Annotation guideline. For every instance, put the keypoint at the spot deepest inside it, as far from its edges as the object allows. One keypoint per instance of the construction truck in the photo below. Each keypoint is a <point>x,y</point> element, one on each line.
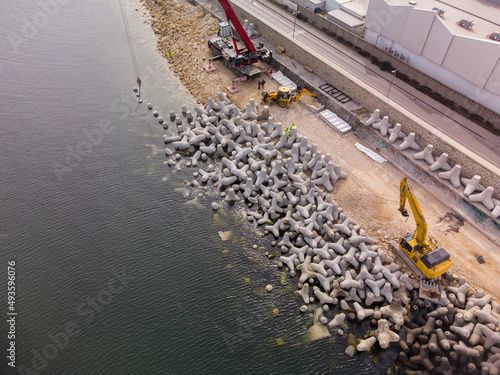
<point>237,56</point>
<point>284,96</point>
<point>421,252</point>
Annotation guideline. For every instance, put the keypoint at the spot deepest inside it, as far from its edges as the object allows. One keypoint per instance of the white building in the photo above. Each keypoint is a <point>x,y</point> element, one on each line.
<point>465,59</point>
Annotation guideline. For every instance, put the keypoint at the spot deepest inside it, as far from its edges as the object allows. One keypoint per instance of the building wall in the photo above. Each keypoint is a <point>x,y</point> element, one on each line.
<point>416,30</point>
<point>372,44</point>
<point>439,38</point>
<point>331,5</point>
<point>432,48</point>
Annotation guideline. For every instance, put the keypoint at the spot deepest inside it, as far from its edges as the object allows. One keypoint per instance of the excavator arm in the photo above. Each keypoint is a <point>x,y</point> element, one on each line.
<point>302,92</point>
<point>406,193</point>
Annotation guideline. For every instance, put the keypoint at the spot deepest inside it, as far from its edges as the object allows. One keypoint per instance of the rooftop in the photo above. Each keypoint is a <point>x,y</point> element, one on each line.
<point>484,13</point>
<point>357,7</point>
<point>345,17</point>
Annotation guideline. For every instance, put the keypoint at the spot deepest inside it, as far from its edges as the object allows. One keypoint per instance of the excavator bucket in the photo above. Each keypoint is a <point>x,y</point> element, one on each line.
<point>429,290</point>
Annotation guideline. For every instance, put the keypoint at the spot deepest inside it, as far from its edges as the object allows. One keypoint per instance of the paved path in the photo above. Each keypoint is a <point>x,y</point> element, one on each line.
<point>470,138</point>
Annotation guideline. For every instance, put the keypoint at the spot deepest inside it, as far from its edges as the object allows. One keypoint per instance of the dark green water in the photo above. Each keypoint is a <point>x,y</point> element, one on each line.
<point>115,274</point>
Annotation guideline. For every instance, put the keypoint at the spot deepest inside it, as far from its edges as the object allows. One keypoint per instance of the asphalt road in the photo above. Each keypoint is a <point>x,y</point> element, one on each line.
<point>472,137</point>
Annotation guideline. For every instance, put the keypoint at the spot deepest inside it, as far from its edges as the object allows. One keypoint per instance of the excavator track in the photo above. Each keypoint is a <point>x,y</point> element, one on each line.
<point>428,288</point>
<point>402,255</point>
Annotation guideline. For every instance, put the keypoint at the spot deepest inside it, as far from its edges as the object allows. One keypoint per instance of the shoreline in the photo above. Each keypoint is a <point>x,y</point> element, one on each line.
<point>368,206</point>
<point>345,192</point>
<point>344,275</point>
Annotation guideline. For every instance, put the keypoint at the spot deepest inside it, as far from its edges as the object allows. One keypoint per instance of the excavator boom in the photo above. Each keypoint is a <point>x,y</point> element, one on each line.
<point>406,193</point>
<point>302,92</point>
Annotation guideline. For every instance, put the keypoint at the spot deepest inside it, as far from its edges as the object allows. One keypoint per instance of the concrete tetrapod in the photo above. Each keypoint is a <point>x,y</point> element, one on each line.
<point>366,345</point>
<point>409,142</point>
<point>425,154</point>
<point>396,133</point>
<point>329,249</point>
<point>471,185</point>
<point>374,117</point>
<point>440,163</point>
<point>395,311</point>
<point>485,197</point>
<point>381,123</point>
<point>453,175</point>
<point>384,335</point>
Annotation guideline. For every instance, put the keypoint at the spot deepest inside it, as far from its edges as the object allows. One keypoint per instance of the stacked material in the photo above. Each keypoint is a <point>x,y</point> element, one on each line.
<point>335,121</point>
<point>342,274</point>
<point>469,187</point>
<point>284,81</point>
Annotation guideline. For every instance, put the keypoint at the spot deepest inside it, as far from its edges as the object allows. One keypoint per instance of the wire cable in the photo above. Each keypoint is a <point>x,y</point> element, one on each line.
<point>129,40</point>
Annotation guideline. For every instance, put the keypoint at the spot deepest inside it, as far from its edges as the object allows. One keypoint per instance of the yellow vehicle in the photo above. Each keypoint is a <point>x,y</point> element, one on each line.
<point>284,96</point>
<point>430,259</point>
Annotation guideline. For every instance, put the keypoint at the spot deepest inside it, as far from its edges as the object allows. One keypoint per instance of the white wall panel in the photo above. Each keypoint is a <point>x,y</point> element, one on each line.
<point>396,20</point>
<point>472,59</point>
<point>385,19</point>
<point>438,41</point>
<point>416,29</point>
<point>493,83</point>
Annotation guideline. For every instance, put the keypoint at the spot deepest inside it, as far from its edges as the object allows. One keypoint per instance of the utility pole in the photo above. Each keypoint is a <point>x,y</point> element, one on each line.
<point>392,80</point>
<point>295,22</point>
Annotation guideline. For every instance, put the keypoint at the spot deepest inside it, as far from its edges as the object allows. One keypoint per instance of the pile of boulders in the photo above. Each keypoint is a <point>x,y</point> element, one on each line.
<point>342,274</point>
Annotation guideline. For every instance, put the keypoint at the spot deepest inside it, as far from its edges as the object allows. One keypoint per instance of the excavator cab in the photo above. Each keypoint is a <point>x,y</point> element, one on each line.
<point>436,258</point>
<point>284,93</point>
<point>283,96</point>
<point>409,244</point>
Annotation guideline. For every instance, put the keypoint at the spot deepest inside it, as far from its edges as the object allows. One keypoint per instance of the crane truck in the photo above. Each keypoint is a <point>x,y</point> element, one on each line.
<point>429,260</point>
<point>237,56</point>
<point>284,96</point>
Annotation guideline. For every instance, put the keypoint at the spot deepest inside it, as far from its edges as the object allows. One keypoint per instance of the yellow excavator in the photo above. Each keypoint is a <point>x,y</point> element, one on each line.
<point>428,258</point>
<point>284,96</point>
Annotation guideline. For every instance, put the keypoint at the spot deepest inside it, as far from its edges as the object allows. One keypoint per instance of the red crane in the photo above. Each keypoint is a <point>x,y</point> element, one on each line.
<point>239,59</point>
<point>231,16</point>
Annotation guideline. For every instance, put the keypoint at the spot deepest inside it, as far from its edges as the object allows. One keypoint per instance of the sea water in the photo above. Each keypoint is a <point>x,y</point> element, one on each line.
<point>118,268</point>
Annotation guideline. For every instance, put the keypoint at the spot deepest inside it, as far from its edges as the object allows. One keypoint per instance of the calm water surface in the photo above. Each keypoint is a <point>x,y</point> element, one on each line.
<point>115,273</point>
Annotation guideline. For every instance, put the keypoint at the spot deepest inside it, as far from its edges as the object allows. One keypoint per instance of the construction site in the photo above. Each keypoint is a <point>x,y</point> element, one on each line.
<point>387,169</point>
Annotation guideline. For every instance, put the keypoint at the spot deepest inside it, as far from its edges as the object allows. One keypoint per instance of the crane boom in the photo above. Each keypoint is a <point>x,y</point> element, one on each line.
<point>231,16</point>
<point>242,59</point>
<point>406,193</point>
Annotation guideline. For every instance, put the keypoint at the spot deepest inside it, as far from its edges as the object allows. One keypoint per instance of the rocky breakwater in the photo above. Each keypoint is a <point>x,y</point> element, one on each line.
<point>343,276</point>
